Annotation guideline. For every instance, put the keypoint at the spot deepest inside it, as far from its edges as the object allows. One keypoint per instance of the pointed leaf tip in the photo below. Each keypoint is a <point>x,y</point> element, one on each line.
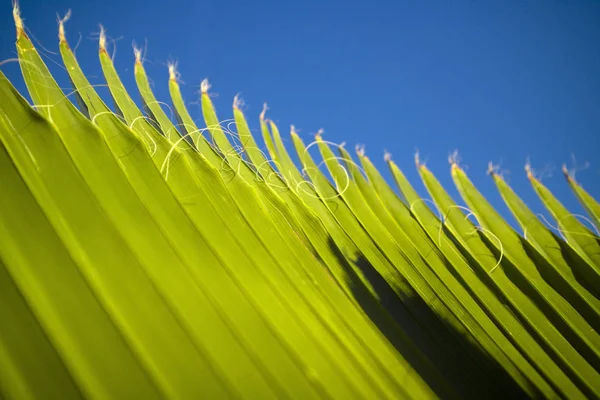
<point>387,156</point>
<point>172,72</point>
<point>263,113</point>
<point>237,102</point>
<point>204,86</point>
<point>567,173</point>
<point>292,129</point>
<point>137,52</point>
<point>102,40</point>
<point>529,171</point>
<point>454,158</point>
<point>18,20</point>
<point>454,168</point>
<point>360,150</point>
<point>61,26</point>
<point>494,170</point>
<point>420,165</point>
<point>417,159</point>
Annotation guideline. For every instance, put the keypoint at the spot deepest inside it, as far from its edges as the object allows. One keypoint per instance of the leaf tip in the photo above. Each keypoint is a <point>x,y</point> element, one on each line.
<point>263,113</point>
<point>204,86</point>
<point>173,74</point>
<point>495,172</point>
<point>529,171</point>
<point>454,158</point>
<point>387,156</point>
<point>16,11</point>
<point>137,52</point>
<point>418,159</point>
<point>319,134</point>
<point>102,40</point>
<point>491,169</point>
<point>238,102</point>
<point>565,172</point>
<point>569,174</point>
<point>454,169</point>
<point>360,150</point>
<point>61,26</point>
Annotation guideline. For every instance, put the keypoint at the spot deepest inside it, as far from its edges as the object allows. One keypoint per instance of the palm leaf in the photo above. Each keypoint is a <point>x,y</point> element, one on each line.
<point>142,257</point>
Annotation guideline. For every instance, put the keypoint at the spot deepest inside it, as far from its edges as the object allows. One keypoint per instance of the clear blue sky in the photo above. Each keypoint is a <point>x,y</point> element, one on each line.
<point>497,80</point>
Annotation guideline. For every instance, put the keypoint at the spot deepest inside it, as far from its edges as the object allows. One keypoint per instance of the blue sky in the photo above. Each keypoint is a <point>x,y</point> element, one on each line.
<point>497,80</point>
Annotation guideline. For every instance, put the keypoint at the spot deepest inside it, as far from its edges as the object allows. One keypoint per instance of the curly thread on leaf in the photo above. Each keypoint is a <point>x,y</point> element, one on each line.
<point>444,218</point>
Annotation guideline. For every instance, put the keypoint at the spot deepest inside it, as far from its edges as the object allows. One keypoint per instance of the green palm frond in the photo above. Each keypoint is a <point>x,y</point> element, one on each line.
<point>142,258</point>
